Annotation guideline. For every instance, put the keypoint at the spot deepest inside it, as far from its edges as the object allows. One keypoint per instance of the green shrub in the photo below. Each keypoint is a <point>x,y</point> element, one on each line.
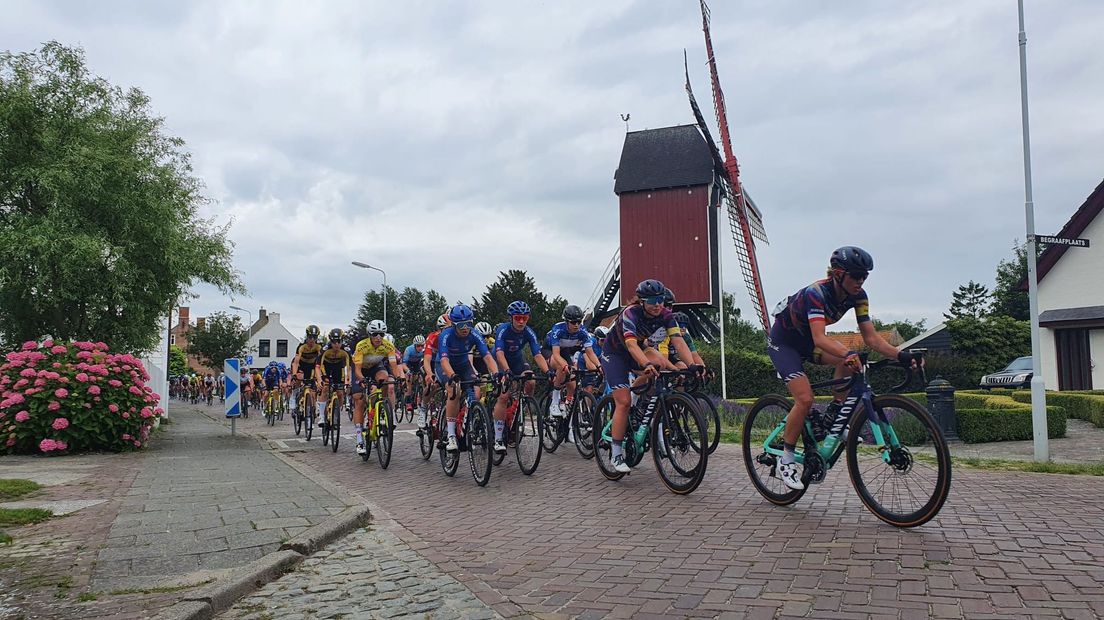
<point>984,425</point>
<point>1084,405</point>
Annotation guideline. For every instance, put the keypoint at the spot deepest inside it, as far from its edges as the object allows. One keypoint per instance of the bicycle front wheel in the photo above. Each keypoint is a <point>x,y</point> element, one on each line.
<point>385,435</point>
<point>307,412</point>
<point>680,447</point>
<point>297,422</point>
<point>528,427</point>
<point>899,461</point>
<point>334,426</point>
<point>600,438</point>
<point>449,460</point>
<point>761,459</point>
<point>712,419</point>
<point>479,436</point>
<point>582,419</point>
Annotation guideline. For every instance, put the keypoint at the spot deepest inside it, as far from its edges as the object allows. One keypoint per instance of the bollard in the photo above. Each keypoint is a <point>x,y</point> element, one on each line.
<point>941,404</point>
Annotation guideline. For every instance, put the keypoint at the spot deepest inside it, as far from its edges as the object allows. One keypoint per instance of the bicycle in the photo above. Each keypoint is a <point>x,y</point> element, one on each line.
<point>271,407</point>
<point>710,415</point>
<point>331,429</point>
<point>435,410</point>
<point>524,424</point>
<point>667,422</point>
<point>379,423</point>
<point>556,428</point>
<point>474,435</point>
<point>307,401</point>
<point>886,437</point>
<point>414,395</point>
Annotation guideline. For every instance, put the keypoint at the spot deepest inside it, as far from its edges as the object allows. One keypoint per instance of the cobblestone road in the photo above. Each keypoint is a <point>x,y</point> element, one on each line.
<point>566,542</point>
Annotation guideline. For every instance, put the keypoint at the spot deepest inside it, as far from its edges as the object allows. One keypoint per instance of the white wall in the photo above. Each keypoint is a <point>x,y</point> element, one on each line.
<point>272,331</point>
<point>1096,353</point>
<point>156,363</point>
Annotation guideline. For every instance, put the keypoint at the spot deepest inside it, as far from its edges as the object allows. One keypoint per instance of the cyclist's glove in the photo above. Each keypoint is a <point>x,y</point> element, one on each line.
<point>454,379</point>
<point>905,358</point>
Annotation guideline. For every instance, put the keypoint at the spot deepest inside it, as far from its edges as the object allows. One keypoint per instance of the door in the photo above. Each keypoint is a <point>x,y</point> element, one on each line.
<point>1074,364</point>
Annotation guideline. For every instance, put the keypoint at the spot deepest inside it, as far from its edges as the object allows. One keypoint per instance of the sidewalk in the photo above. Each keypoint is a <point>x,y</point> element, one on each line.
<point>197,503</point>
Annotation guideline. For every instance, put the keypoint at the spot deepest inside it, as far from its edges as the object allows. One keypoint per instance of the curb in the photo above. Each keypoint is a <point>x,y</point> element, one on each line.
<point>328,531</point>
<point>220,596</point>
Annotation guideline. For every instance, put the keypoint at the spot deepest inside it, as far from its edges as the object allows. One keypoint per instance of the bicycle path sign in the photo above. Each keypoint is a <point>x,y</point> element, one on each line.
<point>231,370</point>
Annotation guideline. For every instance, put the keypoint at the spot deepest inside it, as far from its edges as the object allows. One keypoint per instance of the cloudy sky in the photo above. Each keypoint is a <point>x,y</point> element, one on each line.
<point>448,141</point>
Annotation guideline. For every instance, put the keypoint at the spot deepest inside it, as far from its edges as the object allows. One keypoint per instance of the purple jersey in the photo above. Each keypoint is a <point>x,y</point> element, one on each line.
<point>634,323</point>
<point>817,302</point>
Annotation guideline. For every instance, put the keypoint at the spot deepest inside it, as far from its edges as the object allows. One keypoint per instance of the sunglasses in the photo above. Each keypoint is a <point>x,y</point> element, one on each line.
<point>858,276</point>
<point>375,334</point>
<point>464,325</point>
<point>520,318</point>
<point>575,322</point>
<point>654,301</point>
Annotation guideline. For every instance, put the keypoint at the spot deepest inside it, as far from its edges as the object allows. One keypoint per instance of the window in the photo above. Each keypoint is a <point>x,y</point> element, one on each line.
<point>172,339</point>
<point>264,348</point>
<point>281,348</point>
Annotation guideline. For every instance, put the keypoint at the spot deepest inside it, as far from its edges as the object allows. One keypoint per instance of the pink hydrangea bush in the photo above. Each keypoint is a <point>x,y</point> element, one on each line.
<point>76,397</point>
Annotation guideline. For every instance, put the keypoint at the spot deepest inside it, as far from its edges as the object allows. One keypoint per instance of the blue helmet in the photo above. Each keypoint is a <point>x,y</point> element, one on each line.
<point>460,313</point>
<point>281,365</point>
<point>518,307</point>
<point>272,364</point>
<point>650,288</point>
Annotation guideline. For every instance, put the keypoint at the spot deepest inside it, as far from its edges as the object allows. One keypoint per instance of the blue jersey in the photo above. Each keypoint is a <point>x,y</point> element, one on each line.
<point>511,342</point>
<point>458,348</point>
<point>412,356</point>
<point>284,373</point>
<point>580,357</point>
<point>271,376</point>
<point>569,343</point>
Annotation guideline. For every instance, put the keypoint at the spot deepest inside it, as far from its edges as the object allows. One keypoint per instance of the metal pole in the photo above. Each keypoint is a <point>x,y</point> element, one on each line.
<point>720,280</point>
<point>384,296</point>
<point>1038,387</point>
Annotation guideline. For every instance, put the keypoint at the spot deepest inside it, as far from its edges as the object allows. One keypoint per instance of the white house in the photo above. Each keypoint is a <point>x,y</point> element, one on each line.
<point>1071,302</point>
<point>269,340</point>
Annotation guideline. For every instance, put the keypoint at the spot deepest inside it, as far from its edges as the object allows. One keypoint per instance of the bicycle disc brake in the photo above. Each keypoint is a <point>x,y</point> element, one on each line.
<point>815,467</point>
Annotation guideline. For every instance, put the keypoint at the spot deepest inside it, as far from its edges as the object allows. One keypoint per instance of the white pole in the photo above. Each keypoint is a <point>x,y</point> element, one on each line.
<point>720,280</point>
<point>1038,388</point>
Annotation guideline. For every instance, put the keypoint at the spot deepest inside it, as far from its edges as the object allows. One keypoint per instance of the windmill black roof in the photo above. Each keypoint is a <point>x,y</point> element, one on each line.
<point>665,157</point>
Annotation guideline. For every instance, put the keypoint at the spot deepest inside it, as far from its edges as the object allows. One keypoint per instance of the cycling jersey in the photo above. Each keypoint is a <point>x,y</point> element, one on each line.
<point>308,354</point>
<point>817,302</point>
<point>431,346</point>
<point>580,356</point>
<point>366,356</point>
<point>412,357</point>
<point>489,341</point>
<point>634,323</point>
<point>457,348</point>
<point>271,377</point>
<point>670,352</point>
<point>511,342</point>
<point>569,343</point>
<point>334,357</point>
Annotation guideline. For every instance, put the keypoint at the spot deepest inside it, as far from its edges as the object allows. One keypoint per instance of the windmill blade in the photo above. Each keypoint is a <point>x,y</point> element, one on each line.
<point>718,160</point>
<point>755,217</point>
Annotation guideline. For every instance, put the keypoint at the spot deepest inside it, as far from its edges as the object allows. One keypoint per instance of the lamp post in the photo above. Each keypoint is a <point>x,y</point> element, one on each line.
<point>364,266</point>
<point>249,313</point>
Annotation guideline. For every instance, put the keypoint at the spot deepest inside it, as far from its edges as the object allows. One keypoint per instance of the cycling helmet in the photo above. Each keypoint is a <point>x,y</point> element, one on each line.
<point>313,331</point>
<point>850,258</point>
<point>518,307</point>
<point>336,334</point>
<point>460,313</point>
<point>443,321</point>
<point>281,365</point>
<point>419,340</point>
<point>681,318</point>
<point>271,364</point>
<point>601,332</point>
<point>573,313</point>
<point>389,338</point>
<point>377,327</point>
<point>668,296</point>
<point>484,328</point>
<point>649,288</point>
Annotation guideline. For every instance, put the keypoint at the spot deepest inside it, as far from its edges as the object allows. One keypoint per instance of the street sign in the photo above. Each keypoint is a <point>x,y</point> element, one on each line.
<point>1076,243</point>
<point>248,360</point>
<point>231,372</point>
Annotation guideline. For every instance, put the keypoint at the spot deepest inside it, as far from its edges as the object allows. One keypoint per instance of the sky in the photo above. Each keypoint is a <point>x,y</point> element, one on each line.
<point>446,142</point>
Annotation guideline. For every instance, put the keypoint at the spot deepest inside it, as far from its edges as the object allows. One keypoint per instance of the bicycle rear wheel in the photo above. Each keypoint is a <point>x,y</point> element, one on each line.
<point>527,435</point>
<point>449,460</point>
<point>603,445</point>
<point>765,416</point>
<point>680,447</point>
<point>334,425</point>
<point>905,481</point>
<point>270,411</point>
<point>712,419</point>
<point>297,422</point>
<point>386,434</point>
<point>582,419</point>
<point>307,412</point>
<point>479,436</point>
<point>551,434</point>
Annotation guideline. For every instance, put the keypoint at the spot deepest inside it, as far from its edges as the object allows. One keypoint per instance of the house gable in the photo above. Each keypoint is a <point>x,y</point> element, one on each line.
<point>1077,226</point>
<point>1075,280</point>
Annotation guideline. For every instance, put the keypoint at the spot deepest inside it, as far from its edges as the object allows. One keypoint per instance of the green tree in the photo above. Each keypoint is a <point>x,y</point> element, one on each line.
<point>987,345</point>
<point>513,285</point>
<point>223,337</point>
<point>970,300</point>
<point>98,208</point>
<point>1007,299</point>
<point>408,314</point>
<point>908,329</point>
<point>740,334</point>
<point>178,360</point>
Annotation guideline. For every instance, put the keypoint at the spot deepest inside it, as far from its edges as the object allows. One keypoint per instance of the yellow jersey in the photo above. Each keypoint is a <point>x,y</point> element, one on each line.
<point>308,354</point>
<point>367,356</point>
<point>336,357</point>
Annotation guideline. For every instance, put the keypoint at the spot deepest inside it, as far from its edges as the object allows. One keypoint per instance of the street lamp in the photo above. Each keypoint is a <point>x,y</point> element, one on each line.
<point>248,312</point>
<point>364,266</point>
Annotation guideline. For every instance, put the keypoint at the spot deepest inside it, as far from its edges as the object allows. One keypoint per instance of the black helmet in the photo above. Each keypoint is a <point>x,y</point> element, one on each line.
<point>313,331</point>
<point>572,313</point>
<point>649,288</point>
<point>668,296</point>
<point>681,318</point>
<point>850,258</point>
<point>336,334</point>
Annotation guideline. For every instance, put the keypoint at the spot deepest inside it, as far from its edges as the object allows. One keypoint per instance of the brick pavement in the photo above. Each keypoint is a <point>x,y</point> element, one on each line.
<point>568,542</point>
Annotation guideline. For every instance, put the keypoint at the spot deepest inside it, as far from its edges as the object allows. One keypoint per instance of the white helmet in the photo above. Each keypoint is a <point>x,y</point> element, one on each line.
<point>601,332</point>
<point>377,327</point>
<point>419,340</point>
<point>389,338</point>
<point>484,328</point>
<point>442,321</point>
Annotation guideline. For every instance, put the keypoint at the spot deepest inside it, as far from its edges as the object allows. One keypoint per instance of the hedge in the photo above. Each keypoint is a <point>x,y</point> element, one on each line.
<point>983,425</point>
<point>1087,405</point>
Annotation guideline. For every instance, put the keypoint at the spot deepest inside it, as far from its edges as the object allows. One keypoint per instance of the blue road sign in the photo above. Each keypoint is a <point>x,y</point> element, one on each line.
<point>248,360</point>
<point>232,372</point>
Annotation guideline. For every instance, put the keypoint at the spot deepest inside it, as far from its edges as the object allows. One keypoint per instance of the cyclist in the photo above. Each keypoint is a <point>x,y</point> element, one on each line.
<point>374,359</point>
<point>562,342</point>
<point>302,365</point>
<point>246,388</point>
<point>412,365</point>
<point>456,343</point>
<point>336,362</point>
<point>625,351</point>
<point>271,378</point>
<point>510,340</point>
<point>597,341</point>
<point>429,363</point>
<point>798,334</point>
<point>484,330</point>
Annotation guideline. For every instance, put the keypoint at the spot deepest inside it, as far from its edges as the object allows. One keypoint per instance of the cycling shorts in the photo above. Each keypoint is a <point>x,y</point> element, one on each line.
<point>789,352</point>
<point>307,370</point>
<point>617,365</point>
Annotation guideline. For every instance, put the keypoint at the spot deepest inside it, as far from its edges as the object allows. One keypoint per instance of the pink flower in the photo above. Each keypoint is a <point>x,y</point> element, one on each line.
<point>94,390</point>
<point>19,384</point>
<point>127,437</point>
<point>40,382</point>
<point>54,405</point>
<point>56,365</point>
<point>61,392</point>
<point>47,343</point>
<point>64,379</point>
<point>46,445</point>
<point>126,414</point>
<point>82,377</point>
<point>61,445</point>
<point>16,398</point>
<point>87,405</point>
<point>115,383</point>
<point>134,390</point>
<point>146,412</point>
<point>11,441</point>
<point>113,408</point>
<point>60,424</point>
<point>22,416</point>
<point>100,345</point>
<point>27,372</point>
<point>30,344</point>
<point>84,355</point>
<point>58,349</point>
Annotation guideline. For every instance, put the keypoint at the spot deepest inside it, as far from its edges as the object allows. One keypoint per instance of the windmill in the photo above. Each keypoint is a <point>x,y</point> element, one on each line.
<point>744,218</point>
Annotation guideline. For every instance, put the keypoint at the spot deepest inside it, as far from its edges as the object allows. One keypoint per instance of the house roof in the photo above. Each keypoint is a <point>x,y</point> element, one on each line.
<point>1071,315</point>
<point>1076,225</point>
<point>854,341</point>
<point>924,336</point>
<point>661,158</point>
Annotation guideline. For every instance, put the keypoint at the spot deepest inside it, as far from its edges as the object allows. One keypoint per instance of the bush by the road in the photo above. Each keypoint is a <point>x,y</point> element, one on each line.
<point>984,425</point>
<point>74,397</point>
<point>1088,406</point>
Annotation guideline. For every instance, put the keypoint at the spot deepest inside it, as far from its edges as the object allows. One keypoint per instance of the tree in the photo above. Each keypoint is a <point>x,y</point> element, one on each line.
<point>970,300</point>
<point>223,337</point>
<point>408,314</point>
<point>1007,299</point>
<point>178,360</point>
<point>740,334</point>
<point>512,285</point>
<point>906,328</point>
<point>988,344</point>
<point>98,208</point>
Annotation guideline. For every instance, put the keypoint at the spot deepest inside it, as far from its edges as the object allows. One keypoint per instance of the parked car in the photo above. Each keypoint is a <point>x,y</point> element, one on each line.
<point>1015,375</point>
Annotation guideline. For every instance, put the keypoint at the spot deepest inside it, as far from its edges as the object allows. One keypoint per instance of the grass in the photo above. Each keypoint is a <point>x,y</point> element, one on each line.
<point>86,596</point>
<point>1078,469</point>
<point>23,516</point>
<point>5,538</point>
<point>160,590</point>
<point>11,489</point>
